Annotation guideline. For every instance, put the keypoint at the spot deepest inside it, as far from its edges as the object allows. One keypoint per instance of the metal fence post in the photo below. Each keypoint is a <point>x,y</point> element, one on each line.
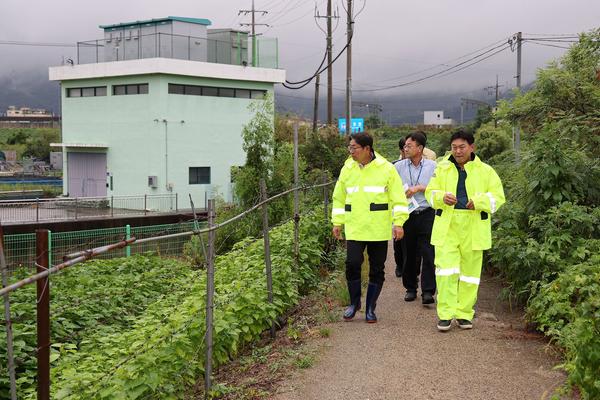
<point>7,320</point>
<point>176,202</point>
<point>37,210</point>
<point>210,289</point>
<point>112,206</point>
<point>145,203</point>
<point>76,208</point>
<point>296,201</point>
<point>43,316</point>
<point>267,245</point>
<point>127,237</point>
<point>325,197</point>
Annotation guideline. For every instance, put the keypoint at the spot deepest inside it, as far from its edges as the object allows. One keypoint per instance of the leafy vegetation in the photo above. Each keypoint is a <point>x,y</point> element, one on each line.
<point>29,142</point>
<point>134,328</point>
<point>547,238</point>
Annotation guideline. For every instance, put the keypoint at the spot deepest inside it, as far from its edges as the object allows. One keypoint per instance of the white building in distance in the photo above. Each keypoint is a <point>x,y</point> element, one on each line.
<point>436,118</point>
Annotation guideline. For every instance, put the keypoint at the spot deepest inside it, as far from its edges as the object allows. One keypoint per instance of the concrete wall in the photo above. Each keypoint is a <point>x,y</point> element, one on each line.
<point>132,128</point>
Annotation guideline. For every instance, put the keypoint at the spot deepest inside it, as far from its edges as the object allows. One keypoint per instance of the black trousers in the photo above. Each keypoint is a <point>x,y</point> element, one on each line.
<point>399,254</point>
<point>419,252</point>
<point>377,252</point>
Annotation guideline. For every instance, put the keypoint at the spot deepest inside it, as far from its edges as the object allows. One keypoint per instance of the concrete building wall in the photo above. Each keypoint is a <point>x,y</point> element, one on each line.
<point>435,118</point>
<point>200,131</point>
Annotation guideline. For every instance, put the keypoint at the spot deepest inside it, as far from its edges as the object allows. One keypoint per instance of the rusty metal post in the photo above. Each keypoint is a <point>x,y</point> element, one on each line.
<point>267,245</point>
<point>325,197</point>
<point>7,318</point>
<point>43,316</point>
<point>296,202</point>
<point>210,291</point>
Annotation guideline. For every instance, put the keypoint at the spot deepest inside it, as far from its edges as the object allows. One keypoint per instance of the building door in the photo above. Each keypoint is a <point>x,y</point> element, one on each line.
<point>87,174</point>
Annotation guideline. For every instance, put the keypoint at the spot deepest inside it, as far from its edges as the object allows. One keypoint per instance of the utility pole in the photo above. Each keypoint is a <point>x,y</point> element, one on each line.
<point>253,26</point>
<point>330,67</point>
<point>316,109</point>
<point>349,70</point>
<point>329,35</point>
<point>490,88</point>
<point>517,128</point>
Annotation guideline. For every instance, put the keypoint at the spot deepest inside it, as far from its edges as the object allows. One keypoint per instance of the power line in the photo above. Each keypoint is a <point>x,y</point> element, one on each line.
<point>549,45</point>
<point>446,71</point>
<point>444,64</point>
<point>36,44</point>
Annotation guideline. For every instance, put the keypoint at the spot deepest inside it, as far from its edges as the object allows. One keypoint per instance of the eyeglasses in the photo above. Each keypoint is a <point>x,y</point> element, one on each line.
<point>352,149</point>
<point>410,146</point>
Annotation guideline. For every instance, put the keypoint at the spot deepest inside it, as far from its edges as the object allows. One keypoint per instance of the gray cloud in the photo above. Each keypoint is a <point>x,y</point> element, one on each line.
<point>392,39</point>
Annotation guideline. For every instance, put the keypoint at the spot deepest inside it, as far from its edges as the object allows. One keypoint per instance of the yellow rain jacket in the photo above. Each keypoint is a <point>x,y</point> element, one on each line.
<point>483,187</point>
<point>366,200</point>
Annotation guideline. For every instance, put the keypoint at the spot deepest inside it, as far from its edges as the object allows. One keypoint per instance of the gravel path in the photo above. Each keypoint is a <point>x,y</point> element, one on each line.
<point>403,356</point>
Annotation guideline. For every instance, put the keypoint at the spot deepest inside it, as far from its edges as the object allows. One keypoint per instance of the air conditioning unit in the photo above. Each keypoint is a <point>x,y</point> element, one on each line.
<point>153,181</point>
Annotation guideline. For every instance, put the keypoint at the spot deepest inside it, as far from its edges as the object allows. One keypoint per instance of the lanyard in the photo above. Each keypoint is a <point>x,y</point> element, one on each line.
<point>410,173</point>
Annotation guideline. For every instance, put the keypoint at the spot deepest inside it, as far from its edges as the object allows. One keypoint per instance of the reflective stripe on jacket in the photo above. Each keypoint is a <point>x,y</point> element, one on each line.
<point>484,188</point>
<point>366,200</point>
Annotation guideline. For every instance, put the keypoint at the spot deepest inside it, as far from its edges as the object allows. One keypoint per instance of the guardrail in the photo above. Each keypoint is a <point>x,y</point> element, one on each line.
<point>71,209</point>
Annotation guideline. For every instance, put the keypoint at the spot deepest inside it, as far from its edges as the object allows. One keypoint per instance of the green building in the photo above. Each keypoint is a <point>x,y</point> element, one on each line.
<point>157,123</point>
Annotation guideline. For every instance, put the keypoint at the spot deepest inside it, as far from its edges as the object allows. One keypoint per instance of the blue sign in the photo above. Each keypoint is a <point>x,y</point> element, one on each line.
<point>358,125</point>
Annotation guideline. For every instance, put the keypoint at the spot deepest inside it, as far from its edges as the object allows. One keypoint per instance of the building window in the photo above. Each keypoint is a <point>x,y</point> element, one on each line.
<point>194,90</point>
<point>199,175</point>
<point>86,91</point>
<point>258,94</point>
<point>242,93</point>
<point>136,88</point>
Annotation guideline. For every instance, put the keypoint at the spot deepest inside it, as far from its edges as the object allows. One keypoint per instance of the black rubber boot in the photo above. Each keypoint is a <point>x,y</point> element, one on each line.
<point>372,295</point>
<point>354,290</point>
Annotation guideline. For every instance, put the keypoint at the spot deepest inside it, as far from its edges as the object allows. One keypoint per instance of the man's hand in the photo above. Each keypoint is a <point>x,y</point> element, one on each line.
<point>337,232</point>
<point>470,205</point>
<point>411,191</point>
<point>397,232</point>
<point>449,199</point>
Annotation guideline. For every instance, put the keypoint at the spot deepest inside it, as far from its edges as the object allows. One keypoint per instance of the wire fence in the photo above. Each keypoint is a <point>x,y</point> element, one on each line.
<point>123,241</point>
<point>71,209</point>
<point>223,48</point>
<point>20,250</point>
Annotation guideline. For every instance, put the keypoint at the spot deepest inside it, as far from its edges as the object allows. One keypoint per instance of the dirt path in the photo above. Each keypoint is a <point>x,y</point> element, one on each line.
<point>403,356</point>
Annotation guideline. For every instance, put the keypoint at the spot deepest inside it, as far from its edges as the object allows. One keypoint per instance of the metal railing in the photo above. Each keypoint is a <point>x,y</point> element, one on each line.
<point>45,269</point>
<point>166,45</point>
<point>71,209</point>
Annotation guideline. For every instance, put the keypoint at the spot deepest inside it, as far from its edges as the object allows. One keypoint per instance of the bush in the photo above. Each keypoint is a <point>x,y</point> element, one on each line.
<point>492,141</point>
<point>568,310</point>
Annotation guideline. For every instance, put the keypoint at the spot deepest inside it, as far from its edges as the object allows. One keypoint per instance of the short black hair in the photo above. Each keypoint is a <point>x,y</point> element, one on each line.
<point>418,136</point>
<point>463,134</point>
<point>401,143</point>
<point>363,139</point>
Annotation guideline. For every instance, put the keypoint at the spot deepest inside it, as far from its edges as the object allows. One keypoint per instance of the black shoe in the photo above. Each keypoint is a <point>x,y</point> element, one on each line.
<point>410,296</point>
<point>444,324</point>
<point>427,298</point>
<point>398,272</point>
<point>373,291</point>
<point>354,290</point>
<point>464,324</point>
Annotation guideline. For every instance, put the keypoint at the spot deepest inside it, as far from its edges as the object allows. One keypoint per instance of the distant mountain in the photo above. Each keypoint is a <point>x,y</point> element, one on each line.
<point>29,89</point>
<point>397,110</point>
<point>33,89</point>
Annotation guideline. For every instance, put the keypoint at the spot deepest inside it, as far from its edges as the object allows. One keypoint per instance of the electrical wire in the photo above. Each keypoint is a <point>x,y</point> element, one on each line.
<point>446,71</point>
<point>37,44</point>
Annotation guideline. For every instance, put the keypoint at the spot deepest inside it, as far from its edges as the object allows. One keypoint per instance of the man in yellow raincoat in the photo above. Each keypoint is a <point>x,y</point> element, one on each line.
<point>368,197</point>
<point>464,192</point>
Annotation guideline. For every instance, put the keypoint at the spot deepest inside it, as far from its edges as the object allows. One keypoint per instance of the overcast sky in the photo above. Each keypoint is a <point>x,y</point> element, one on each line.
<point>393,38</point>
